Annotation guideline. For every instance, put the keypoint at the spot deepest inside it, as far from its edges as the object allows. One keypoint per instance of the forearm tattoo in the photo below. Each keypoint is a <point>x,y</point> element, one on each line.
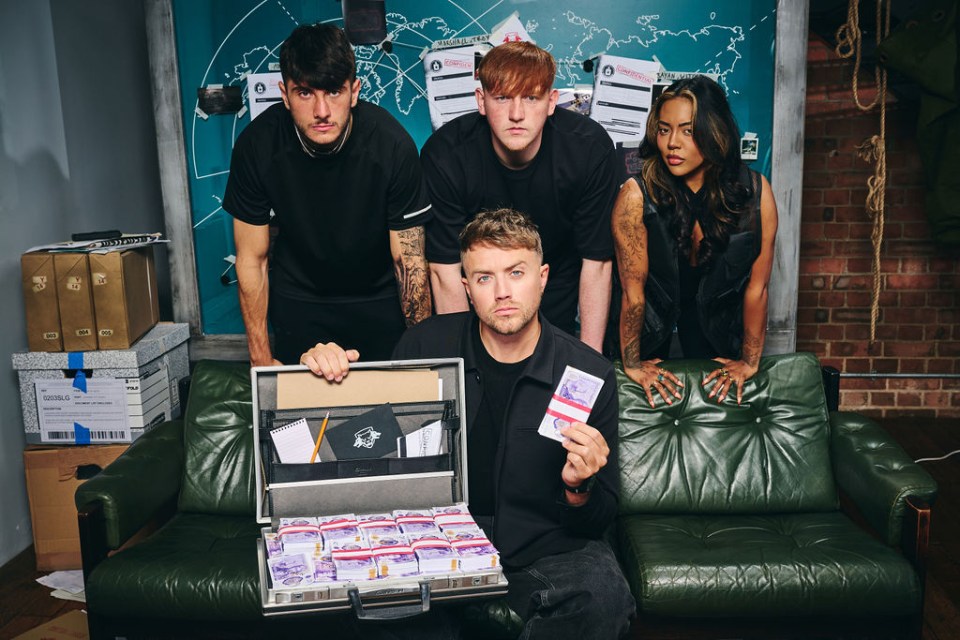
<point>631,244</point>
<point>413,276</point>
<point>633,319</point>
<point>752,348</point>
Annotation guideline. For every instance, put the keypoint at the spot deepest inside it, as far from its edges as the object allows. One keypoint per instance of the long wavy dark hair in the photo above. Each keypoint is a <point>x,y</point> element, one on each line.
<point>729,190</point>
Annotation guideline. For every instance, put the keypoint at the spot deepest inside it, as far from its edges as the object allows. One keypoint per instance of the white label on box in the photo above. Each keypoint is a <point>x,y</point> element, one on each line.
<point>69,415</point>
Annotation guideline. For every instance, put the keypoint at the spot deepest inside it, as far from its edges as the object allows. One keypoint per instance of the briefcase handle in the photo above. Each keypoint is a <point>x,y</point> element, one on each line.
<point>391,613</point>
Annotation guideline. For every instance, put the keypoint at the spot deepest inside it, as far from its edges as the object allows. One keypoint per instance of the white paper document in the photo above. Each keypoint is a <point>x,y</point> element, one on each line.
<point>425,441</point>
<point>622,92</point>
<point>293,442</point>
<point>572,401</point>
<point>451,82</point>
<point>82,413</point>
<point>263,91</point>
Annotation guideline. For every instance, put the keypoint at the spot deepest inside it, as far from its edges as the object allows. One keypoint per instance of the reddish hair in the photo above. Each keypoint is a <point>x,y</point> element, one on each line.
<point>517,68</point>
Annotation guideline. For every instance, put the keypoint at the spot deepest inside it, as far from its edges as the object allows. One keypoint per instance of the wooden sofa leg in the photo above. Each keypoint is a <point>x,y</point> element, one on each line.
<point>93,549</point>
<point>915,545</point>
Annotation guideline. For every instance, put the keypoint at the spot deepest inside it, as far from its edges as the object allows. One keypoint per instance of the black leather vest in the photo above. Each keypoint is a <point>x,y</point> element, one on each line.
<point>720,294</point>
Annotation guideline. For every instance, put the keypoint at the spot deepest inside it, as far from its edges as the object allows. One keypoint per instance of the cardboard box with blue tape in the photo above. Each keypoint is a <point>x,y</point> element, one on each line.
<point>95,397</point>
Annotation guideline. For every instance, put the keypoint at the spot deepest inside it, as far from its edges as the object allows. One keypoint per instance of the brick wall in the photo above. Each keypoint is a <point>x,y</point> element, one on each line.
<point>918,328</point>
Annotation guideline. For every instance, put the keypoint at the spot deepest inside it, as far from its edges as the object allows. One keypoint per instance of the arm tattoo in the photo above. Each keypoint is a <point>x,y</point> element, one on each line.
<point>752,349</point>
<point>631,242</point>
<point>413,279</point>
<point>633,320</point>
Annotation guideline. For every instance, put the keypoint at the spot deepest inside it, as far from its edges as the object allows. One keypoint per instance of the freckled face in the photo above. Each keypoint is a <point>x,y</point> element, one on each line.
<point>516,123</point>
<point>505,286</point>
<point>320,116</point>
<point>675,141</point>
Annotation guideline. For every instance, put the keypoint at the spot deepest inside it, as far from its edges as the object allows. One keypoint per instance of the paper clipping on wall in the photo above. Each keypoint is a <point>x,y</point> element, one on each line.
<point>263,91</point>
<point>452,82</point>
<point>622,93</point>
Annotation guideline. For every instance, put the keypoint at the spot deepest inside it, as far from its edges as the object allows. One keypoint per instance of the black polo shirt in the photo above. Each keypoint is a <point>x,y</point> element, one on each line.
<point>568,191</point>
<point>335,212</point>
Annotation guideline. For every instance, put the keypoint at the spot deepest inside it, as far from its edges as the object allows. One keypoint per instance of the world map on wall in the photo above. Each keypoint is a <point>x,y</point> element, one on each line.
<point>220,42</point>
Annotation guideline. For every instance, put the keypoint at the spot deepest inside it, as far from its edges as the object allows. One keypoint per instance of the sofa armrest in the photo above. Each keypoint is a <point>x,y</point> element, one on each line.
<point>134,487</point>
<point>877,474</point>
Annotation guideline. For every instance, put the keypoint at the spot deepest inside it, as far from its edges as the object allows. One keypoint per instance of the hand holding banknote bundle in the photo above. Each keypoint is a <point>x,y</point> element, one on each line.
<point>566,422</point>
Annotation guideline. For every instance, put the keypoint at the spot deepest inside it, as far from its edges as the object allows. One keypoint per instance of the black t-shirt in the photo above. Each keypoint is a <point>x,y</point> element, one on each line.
<point>483,439</point>
<point>334,212</point>
<point>568,191</point>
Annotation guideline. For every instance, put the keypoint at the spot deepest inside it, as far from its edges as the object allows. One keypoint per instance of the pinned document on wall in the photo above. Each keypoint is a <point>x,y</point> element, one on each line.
<point>451,78</point>
<point>622,95</point>
<point>263,91</point>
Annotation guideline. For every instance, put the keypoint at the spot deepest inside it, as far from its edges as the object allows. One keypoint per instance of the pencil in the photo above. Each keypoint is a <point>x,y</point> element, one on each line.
<point>316,449</point>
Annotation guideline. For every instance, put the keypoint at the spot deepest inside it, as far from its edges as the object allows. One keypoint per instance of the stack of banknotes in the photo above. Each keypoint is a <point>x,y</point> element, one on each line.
<point>353,560</point>
<point>394,555</point>
<point>349,548</point>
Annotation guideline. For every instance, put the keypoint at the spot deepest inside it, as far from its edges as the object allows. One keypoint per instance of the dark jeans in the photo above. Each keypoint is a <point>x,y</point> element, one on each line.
<point>372,327</point>
<point>579,594</point>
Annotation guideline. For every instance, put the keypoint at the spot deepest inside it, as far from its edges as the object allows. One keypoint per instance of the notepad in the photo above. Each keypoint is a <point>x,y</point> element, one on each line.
<point>293,442</point>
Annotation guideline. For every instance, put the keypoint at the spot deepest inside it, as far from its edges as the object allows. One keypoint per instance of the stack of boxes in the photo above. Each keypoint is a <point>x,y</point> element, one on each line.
<point>88,301</point>
<point>100,372</point>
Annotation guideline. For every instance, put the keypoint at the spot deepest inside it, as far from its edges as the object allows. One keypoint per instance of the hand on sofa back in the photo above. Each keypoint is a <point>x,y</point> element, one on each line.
<point>218,475</point>
<point>771,454</point>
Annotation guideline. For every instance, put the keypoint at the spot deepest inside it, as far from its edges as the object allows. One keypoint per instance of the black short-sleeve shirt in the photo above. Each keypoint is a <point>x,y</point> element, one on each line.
<point>335,212</point>
<point>568,191</point>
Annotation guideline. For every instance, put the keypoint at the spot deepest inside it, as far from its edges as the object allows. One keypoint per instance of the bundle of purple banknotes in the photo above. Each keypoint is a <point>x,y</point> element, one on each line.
<point>349,548</point>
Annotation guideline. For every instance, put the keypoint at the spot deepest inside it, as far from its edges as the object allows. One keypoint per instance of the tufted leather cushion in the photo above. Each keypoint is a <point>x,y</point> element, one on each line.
<point>767,565</point>
<point>771,454</point>
<point>199,567</point>
<point>218,475</point>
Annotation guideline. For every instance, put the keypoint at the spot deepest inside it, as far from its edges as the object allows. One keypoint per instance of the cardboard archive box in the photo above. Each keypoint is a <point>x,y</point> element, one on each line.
<point>417,392</point>
<point>52,479</point>
<point>143,390</point>
<point>75,299</point>
<point>125,304</point>
<point>40,301</point>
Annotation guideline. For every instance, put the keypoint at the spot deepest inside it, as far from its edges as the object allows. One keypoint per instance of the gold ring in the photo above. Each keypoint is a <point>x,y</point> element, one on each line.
<point>724,373</point>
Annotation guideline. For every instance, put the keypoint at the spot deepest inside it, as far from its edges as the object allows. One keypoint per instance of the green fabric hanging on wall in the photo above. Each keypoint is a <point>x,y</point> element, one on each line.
<point>924,49</point>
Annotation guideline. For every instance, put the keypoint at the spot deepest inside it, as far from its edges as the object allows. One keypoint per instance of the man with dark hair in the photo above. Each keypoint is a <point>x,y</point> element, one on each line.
<point>343,181</point>
<point>556,166</point>
<point>544,504</point>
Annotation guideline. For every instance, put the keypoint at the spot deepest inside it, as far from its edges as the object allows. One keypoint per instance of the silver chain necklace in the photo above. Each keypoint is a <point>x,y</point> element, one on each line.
<point>313,153</point>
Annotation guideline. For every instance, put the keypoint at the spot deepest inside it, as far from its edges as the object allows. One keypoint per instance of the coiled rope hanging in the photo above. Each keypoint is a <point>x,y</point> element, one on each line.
<point>849,41</point>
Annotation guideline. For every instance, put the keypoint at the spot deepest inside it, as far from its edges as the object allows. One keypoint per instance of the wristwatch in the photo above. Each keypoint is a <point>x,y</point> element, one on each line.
<point>584,487</point>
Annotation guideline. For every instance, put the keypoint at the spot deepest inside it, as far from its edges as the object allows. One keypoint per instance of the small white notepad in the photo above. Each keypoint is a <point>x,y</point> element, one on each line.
<point>293,442</point>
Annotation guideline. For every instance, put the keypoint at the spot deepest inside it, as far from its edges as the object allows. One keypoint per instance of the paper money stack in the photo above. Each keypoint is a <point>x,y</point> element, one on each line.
<point>381,524</point>
<point>349,548</point>
<point>416,521</point>
<point>294,570</point>
<point>475,551</point>
<point>572,401</point>
<point>299,535</point>
<point>434,553</point>
<point>353,560</point>
<point>393,555</point>
<point>324,569</point>
<point>453,516</point>
<point>339,528</point>
<point>273,545</point>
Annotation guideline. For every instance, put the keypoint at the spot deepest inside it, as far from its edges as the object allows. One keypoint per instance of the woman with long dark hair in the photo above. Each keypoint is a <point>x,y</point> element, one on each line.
<point>694,236</point>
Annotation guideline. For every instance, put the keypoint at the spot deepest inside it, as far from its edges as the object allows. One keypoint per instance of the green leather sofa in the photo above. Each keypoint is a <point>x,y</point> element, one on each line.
<point>725,511</point>
<point>731,511</point>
